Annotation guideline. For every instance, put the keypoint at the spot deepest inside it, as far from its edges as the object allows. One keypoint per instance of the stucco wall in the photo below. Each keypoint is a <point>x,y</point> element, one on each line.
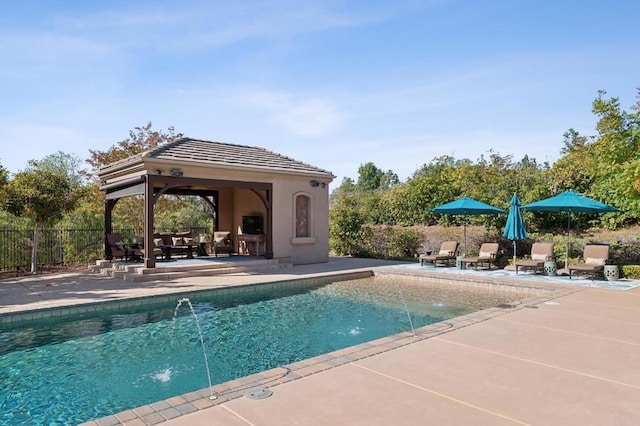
<point>314,249</point>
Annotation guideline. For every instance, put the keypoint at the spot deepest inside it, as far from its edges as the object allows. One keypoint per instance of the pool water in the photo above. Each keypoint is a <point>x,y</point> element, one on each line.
<point>71,371</point>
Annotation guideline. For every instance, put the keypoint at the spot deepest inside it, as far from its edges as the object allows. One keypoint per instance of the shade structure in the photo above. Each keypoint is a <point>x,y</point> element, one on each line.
<point>466,206</point>
<point>514,230</point>
<point>569,202</point>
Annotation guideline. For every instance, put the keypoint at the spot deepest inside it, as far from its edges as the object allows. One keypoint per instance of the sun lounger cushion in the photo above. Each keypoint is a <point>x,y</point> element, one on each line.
<point>486,254</point>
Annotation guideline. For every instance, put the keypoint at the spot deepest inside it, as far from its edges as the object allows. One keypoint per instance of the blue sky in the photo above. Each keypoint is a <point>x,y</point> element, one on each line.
<point>332,83</point>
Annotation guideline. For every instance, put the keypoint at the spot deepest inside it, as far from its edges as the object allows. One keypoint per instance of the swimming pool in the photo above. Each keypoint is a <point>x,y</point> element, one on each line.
<point>82,368</point>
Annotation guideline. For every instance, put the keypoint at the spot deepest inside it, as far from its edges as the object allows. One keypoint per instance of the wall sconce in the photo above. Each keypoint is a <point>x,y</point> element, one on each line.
<point>314,183</point>
<point>158,172</point>
<point>176,172</point>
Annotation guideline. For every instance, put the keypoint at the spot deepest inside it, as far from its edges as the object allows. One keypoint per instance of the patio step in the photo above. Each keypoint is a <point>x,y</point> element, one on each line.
<point>137,272</point>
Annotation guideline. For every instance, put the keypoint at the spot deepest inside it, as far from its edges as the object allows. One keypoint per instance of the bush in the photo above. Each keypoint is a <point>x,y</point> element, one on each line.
<point>385,242</point>
<point>630,271</point>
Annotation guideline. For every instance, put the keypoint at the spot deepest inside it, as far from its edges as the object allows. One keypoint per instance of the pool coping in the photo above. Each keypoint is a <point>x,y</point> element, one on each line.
<point>174,407</point>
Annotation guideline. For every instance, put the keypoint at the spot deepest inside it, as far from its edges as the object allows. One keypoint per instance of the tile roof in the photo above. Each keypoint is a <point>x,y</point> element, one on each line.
<point>226,154</point>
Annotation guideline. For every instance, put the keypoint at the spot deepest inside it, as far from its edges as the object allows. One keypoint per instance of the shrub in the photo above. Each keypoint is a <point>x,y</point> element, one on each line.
<point>630,271</point>
<point>387,242</point>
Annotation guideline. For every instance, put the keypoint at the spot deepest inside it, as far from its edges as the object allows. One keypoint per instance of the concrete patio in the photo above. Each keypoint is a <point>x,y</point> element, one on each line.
<point>569,358</point>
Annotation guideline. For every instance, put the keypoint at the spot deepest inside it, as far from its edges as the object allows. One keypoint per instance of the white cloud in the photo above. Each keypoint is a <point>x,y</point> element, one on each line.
<point>298,115</point>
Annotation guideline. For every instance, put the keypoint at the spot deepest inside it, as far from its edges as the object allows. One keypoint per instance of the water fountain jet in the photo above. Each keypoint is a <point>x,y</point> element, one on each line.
<point>204,352</point>
<point>406,308</point>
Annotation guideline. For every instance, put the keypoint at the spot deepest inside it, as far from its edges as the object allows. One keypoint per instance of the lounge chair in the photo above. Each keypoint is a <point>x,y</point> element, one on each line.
<point>116,244</point>
<point>222,243</point>
<point>447,253</point>
<point>595,257</point>
<point>487,254</point>
<point>540,253</point>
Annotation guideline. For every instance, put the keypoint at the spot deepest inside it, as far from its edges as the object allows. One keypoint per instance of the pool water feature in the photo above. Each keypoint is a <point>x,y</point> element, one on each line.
<point>200,337</point>
<point>77,370</point>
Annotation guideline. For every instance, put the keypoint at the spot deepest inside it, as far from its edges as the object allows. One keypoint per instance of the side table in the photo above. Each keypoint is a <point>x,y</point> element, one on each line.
<point>550,268</point>
<point>611,272</point>
<point>201,249</point>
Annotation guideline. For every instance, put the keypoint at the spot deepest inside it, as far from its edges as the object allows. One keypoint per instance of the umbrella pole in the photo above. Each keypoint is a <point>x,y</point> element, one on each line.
<point>566,258</point>
<point>514,251</point>
<point>465,235</point>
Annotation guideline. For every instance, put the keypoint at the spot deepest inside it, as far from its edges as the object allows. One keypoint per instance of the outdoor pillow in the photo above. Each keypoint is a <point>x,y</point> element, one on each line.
<point>158,242</point>
<point>188,241</point>
<point>445,252</point>
<point>486,254</point>
<point>177,241</point>
<point>538,256</point>
<point>120,245</point>
<point>595,261</point>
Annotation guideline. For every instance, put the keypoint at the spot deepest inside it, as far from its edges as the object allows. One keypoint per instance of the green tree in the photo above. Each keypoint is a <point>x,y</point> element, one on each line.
<point>616,151</point>
<point>575,170</point>
<point>371,178</point>
<point>63,164</point>
<point>346,226</point>
<point>41,195</point>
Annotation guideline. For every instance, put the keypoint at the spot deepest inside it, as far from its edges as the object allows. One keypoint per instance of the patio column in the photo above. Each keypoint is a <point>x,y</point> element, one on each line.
<point>149,199</point>
<point>108,226</point>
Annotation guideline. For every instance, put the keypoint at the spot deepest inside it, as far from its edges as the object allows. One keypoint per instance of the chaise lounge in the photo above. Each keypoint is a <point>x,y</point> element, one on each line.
<point>487,254</point>
<point>447,253</point>
<point>540,253</point>
<point>595,257</point>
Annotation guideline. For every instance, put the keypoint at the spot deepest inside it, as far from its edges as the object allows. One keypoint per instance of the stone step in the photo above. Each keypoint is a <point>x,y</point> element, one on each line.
<point>137,272</point>
<point>169,274</point>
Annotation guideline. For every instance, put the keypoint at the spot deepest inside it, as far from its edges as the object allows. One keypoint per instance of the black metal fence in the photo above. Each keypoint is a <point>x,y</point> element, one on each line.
<point>56,247</point>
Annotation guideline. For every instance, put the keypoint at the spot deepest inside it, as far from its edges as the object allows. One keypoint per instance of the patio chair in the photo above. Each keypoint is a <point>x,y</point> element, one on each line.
<point>595,256</point>
<point>447,253</point>
<point>222,243</point>
<point>540,253</point>
<point>118,247</point>
<point>487,254</point>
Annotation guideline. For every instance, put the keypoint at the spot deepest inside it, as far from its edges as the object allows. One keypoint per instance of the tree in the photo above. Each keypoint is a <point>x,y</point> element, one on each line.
<point>371,178</point>
<point>128,212</point>
<point>41,195</point>
<point>141,139</point>
<point>345,226</point>
<point>63,164</point>
<point>616,151</point>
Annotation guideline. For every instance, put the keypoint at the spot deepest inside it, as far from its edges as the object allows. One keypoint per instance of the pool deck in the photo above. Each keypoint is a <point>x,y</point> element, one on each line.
<point>572,358</point>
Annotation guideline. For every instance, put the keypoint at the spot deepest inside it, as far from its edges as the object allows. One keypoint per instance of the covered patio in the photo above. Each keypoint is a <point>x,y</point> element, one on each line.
<point>288,199</point>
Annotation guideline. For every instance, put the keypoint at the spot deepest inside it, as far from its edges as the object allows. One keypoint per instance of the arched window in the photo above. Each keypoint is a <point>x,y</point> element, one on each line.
<point>303,215</point>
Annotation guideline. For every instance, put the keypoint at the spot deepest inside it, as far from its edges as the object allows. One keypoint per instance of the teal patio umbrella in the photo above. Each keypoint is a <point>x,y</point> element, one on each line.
<point>514,230</point>
<point>569,202</point>
<point>466,206</point>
